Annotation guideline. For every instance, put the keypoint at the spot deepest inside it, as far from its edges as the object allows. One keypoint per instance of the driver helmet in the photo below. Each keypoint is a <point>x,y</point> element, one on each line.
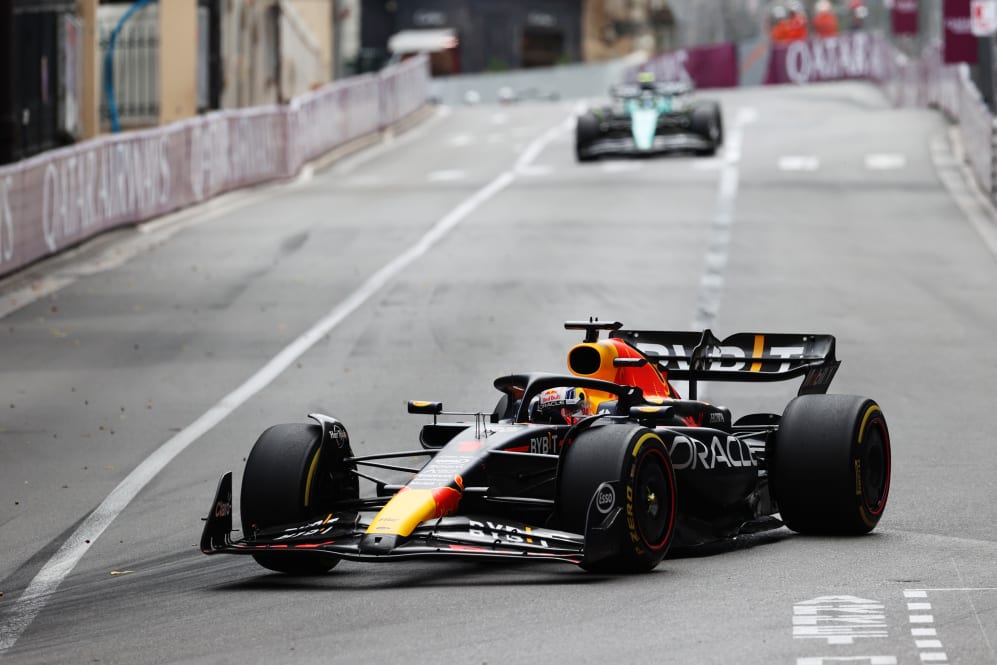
<point>646,80</point>
<point>560,406</point>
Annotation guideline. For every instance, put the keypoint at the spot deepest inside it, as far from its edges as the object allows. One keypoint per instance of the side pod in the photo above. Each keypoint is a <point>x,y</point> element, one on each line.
<point>218,525</point>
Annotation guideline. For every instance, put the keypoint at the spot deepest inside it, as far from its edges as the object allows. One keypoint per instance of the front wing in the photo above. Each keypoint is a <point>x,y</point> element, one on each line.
<point>341,534</point>
<point>663,143</point>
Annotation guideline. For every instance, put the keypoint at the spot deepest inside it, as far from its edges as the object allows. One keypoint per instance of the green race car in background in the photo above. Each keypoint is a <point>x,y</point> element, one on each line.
<point>649,118</point>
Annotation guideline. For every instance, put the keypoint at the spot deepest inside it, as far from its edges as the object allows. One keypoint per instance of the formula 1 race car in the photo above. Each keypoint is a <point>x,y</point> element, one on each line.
<point>649,119</point>
<point>605,468</point>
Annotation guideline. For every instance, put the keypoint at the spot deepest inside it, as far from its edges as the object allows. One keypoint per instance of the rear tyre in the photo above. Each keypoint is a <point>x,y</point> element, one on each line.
<point>286,481</point>
<point>831,464</point>
<point>637,458</point>
<point>586,132</point>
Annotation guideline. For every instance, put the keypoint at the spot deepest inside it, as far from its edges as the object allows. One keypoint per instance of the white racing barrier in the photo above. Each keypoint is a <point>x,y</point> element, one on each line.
<point>921,81</point>
<point>926,81</point>
<point>60,198</point>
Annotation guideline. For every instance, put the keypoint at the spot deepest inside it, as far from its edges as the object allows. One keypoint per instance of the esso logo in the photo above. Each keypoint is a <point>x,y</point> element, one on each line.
<point>605,498</point>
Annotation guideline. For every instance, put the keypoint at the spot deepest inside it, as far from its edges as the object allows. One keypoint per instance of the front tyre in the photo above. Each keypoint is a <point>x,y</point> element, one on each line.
<point>707,121</point>
<point>636,457</point>
<point>286,481</point>
<point>586,133</point>
<point>831,464</point>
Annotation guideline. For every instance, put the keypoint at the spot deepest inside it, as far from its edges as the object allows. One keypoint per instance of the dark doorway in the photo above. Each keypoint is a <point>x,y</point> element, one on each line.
<point>541,47</point>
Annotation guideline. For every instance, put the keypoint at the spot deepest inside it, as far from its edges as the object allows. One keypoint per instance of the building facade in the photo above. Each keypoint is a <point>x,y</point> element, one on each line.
<point>491,36</point>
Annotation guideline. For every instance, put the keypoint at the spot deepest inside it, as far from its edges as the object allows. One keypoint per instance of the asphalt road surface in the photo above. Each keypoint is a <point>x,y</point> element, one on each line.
<point>140,368</point>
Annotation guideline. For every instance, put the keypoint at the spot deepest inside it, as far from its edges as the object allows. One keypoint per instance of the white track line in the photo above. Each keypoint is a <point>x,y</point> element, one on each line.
<point>45,583</point>
<point>711,283</point>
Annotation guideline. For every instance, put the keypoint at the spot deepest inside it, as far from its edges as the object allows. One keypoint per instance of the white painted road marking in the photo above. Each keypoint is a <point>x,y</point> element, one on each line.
<point>711,283</point>
<point>929,651</point>
<point>839,619</point>
<point>798,163</point>
<point>885,161</point>
<point>24,610</point>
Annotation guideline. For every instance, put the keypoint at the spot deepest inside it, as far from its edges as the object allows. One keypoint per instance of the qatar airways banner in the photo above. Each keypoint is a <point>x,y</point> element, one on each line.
<point>852,55</point>
<point>712,66</point>
<point>960,44</point>
<point>904,15</point>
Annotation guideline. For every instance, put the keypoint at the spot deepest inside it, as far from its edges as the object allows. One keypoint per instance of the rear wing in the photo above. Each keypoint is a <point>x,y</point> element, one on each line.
<point>633,90</point>
<point>701,356</point>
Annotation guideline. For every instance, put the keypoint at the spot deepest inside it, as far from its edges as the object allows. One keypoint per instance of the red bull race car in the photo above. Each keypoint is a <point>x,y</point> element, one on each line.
<point>607,467</point>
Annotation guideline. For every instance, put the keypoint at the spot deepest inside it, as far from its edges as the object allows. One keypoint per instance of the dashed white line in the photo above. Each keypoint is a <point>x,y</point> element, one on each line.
<point>929,651</point>
<point>711,283</point>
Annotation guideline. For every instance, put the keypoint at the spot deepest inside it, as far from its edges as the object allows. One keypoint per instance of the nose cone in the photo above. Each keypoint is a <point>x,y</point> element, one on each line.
<point>644,125</point>
<point>375,543</point>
